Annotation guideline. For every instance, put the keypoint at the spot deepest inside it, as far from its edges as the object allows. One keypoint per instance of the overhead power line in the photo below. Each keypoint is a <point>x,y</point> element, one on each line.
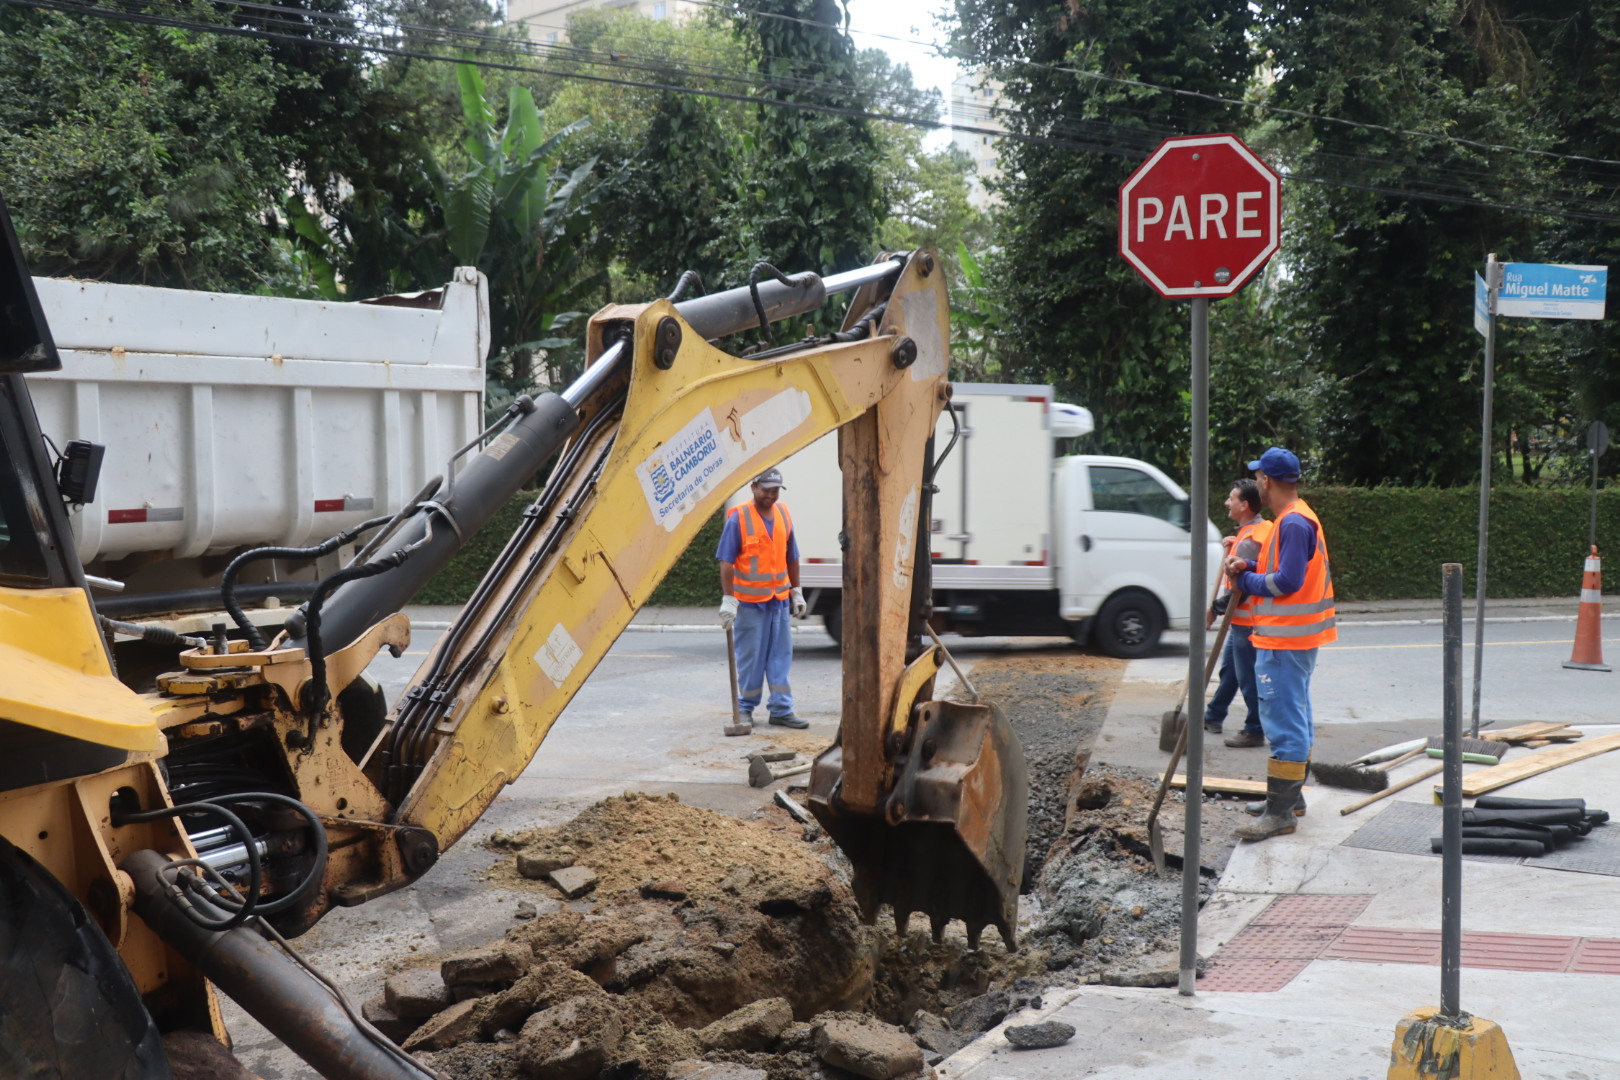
<point>1449,183</point>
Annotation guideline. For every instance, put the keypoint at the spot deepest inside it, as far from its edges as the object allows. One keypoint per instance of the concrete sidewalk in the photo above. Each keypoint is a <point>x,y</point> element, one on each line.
<point>1317,950</point>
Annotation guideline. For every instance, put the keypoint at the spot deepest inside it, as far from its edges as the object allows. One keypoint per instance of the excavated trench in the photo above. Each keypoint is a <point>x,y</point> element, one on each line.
<point>736,943</point>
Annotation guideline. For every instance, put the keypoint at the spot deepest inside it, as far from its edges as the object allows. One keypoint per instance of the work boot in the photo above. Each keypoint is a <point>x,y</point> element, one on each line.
<point>1246,738</point>
<point>788,720</point>
<point>1284,781</point>
<point>1258,807</point>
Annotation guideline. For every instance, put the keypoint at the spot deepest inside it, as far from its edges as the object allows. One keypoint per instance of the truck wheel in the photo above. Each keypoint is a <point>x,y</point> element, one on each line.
<point>68,1007</point>
<point>1129,625</point>
<point>833,620</point>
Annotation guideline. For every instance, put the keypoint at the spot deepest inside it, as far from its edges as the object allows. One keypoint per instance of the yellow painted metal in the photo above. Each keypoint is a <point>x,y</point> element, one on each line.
<point>620,546</point>
<point>54,672</point>
<point>917,677</point>
<point>1429,1048</point>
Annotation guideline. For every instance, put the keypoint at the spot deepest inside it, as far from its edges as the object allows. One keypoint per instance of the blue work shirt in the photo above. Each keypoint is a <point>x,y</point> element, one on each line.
<point>731,539</point>
<point>1296,544</point>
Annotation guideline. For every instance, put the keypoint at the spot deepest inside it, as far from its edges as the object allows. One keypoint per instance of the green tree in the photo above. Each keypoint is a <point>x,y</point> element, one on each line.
<point>140,153</point>
<point>525,221</point>
<point>1075,314</point>
<point>812,197</point>
<point>1379,282</point>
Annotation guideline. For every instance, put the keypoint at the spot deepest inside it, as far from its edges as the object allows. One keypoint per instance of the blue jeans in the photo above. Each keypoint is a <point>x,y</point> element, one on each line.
<point>764,654</point>
<point>1284,680</point>
<point>1237,673</point>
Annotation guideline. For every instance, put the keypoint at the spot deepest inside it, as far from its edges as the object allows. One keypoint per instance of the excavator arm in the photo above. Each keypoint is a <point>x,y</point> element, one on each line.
<point>665,435</point>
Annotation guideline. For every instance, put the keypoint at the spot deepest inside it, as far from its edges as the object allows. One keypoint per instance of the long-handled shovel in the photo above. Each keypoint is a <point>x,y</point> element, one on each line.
<point>1173,725</point>
<point>1155,834</point>
<point>738,725</point>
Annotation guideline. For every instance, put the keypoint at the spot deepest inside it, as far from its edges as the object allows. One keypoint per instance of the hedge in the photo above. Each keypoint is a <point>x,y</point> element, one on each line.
<point>1387,543</point>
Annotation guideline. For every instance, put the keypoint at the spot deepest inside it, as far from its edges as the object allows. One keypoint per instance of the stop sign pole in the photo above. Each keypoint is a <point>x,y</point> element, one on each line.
<point>1198,219</point>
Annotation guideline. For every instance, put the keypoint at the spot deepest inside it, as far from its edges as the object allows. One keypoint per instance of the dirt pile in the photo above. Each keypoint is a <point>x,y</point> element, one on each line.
<point>707,938</point>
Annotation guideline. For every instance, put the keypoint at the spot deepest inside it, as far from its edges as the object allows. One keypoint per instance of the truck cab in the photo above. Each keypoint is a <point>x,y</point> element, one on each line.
<point>1027,539</point>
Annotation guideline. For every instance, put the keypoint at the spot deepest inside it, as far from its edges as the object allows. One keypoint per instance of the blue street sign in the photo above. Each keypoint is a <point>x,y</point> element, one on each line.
<point>1482,307</point>
<point>1551,291</point>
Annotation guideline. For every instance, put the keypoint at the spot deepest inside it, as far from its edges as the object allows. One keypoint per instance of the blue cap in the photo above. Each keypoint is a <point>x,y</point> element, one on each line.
<point>1279,464</point>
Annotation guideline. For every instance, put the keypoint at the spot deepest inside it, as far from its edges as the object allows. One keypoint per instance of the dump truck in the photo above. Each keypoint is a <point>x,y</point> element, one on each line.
<point>167,825</point>
<point>245,421</point>
<point>1025,537</point>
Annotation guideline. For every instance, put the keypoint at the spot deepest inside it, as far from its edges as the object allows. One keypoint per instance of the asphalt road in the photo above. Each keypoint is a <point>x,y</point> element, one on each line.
<point>649,719</point>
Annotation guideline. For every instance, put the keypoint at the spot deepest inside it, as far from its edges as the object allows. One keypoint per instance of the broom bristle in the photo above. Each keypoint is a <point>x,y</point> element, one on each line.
<point>1354,777</point>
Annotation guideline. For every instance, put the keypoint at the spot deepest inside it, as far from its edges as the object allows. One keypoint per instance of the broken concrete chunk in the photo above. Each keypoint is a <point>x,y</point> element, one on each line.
<point>934,1033</point>
<point>739,878</point>
<point>385,1020</point>
<point>417,993</point>
<point>538,864</point>
<point>571,1041</point>
<point>574,881</point>
<point>502,962</point>
<point>713,1070</point>
<point>981,1013</point>
<point>1039,1036</point>
<point>451,1026</point>
<point>548,983</point>
<point>866,1047</point>
<point>752,1027</point>
<point>525,910</point>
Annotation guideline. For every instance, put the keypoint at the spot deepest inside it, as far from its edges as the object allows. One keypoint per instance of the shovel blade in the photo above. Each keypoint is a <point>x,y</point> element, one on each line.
<point>950,836</point>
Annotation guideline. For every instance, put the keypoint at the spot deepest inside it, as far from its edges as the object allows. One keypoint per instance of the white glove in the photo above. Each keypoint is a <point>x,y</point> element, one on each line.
<point>800,608</point>
<point>728,611</point>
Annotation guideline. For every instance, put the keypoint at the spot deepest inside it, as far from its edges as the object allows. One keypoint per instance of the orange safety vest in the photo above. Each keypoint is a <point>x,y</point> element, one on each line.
<point>1259,532</point>
<point>1302,619</point>
<point>761,570</point>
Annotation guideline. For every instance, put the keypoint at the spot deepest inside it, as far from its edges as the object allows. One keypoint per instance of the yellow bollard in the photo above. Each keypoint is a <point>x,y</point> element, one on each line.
<point>1430,1047</point>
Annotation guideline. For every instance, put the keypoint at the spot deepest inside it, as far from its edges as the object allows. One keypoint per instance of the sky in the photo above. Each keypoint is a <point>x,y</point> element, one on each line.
<point>912,20</point>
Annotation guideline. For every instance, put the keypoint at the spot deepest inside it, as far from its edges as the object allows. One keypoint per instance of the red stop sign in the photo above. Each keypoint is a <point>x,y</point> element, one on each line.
<point>1200,217</point>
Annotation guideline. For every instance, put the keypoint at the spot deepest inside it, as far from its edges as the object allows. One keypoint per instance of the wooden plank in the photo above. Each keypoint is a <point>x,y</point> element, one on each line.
<point>1219,786</point>
<point>1541,761</point>
<point>1537,730</point>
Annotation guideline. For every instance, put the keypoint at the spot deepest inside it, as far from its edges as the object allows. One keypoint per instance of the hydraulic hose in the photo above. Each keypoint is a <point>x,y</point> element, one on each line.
<point>485,485</point>
<point>227,581</point>
<point>288,1000</point>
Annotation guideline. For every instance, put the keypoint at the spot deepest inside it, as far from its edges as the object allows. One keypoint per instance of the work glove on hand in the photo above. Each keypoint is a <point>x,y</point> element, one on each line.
<point>728,611</point>
<point>800,608</point>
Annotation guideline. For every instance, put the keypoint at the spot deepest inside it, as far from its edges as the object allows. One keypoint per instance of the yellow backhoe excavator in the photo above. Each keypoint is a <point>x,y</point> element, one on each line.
<point>157,836</point>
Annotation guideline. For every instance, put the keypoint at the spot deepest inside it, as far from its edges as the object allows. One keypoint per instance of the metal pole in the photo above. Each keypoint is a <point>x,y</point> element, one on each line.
<point>1451,812</point>
<point>1493,282</point>
<point>1198,527</point>
<point>1591,528</point>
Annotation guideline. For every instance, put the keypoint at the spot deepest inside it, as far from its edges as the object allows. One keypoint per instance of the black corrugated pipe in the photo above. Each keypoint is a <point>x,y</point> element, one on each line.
<point>288,1000</point>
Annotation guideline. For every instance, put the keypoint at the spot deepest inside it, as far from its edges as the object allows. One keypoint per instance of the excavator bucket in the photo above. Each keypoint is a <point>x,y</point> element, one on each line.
<point>949,840</point>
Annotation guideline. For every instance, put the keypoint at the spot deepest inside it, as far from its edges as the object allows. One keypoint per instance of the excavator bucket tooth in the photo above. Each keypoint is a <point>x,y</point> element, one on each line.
<point>975,932</point>
<point>950,840</point>
<point>937,925</point>
<point>902,920</point>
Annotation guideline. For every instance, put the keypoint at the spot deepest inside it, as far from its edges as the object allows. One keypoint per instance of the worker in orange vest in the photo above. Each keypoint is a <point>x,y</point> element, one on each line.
<point>759,583</point>
<point>1292,582</point>
<point>1237,659</point>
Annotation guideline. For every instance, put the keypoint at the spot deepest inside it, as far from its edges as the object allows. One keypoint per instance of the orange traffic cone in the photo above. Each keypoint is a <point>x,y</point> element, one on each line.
<point>1588,652</point>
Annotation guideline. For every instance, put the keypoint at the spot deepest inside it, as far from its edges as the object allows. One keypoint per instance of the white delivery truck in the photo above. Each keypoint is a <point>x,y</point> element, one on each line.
<point>240,421</point>
<point>1027,539</point>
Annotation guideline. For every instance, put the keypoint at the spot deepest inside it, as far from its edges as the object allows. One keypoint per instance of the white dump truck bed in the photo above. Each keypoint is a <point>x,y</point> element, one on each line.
<point>232,420</point>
